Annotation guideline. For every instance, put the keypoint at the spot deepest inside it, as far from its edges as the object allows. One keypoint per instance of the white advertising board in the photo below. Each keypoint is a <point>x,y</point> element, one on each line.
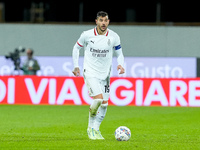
<point>139,67</point>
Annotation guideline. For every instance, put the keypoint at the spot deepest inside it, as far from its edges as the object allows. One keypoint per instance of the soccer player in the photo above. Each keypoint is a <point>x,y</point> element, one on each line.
<point>99,45</point>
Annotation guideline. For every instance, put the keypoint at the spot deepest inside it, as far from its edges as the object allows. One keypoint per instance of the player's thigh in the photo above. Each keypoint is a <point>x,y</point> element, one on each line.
<point>93,86</point>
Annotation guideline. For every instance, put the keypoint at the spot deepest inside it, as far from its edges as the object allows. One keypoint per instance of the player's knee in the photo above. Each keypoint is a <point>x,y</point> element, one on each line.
<point>93,112</point>
<point>104,104</point>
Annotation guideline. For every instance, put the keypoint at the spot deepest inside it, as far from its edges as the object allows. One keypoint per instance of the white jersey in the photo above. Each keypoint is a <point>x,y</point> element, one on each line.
<point>99,52</point>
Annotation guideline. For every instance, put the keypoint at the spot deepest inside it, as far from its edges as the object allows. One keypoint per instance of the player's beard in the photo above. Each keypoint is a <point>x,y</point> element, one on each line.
<point>101,28</point>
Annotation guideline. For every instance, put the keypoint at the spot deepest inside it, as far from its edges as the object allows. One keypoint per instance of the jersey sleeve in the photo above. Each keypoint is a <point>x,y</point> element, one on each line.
<point>81,40</point>
<point>117,44</point>
<point>118,51</point>
<point>75,53</point>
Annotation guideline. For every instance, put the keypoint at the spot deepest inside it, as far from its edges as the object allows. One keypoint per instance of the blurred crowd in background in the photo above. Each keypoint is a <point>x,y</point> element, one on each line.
<point>85,11</point>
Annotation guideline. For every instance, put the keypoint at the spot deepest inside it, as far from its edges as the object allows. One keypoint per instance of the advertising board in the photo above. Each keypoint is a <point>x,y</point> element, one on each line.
<point>142,67</point>
<point>34,90</point>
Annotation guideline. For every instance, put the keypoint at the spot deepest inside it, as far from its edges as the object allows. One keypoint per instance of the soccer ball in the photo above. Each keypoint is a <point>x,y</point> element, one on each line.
<point>122,133</point>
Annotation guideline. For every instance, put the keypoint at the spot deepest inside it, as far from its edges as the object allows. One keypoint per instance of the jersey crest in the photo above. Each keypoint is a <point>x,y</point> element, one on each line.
<point>108,42</point>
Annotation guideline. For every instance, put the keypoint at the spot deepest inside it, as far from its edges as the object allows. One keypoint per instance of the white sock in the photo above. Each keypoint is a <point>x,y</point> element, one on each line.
<point>91,121</point>
<point>100,115</point>
<point>93,111</point>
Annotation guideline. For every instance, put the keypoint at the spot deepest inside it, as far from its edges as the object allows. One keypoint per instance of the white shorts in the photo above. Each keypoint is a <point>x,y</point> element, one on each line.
<point>97,86</point>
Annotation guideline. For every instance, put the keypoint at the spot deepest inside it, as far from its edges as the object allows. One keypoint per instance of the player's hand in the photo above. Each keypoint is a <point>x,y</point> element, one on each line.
<point>76,72</point>
<point>122,70</point>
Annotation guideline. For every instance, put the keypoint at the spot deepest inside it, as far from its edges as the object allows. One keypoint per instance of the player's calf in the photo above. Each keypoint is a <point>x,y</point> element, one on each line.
<point>94,106</point>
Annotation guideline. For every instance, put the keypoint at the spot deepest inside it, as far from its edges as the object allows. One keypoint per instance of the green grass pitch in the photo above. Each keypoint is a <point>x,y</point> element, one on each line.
<point>64,127</point>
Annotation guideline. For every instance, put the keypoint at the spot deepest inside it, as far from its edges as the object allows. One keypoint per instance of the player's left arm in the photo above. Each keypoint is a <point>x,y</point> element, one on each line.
<point>120,60</point>
<point>120,57</point>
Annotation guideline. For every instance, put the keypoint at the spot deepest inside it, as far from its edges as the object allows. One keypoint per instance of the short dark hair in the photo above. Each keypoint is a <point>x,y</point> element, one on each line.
<point>32,51</point>
<point>102,14</point>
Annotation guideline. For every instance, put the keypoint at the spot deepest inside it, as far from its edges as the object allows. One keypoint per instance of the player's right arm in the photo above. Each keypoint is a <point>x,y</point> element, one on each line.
<point>75,54</point>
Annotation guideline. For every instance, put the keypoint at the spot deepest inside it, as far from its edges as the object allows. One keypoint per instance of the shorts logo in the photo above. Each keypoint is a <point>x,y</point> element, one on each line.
<point>91,91</point>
